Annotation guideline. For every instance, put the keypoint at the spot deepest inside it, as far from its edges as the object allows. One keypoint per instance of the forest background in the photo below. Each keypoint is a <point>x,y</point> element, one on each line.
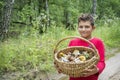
<point>30,29</point>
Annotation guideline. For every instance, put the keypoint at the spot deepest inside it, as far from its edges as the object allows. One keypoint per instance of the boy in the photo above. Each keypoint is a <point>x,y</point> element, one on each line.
<point>85,28</point>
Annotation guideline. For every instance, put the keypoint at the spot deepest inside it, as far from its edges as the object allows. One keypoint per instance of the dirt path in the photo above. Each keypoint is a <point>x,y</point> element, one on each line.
<point>115,76</point>
<point>112,70</point>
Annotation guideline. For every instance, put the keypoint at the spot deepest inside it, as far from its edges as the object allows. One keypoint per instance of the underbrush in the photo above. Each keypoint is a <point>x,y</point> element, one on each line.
<point>34,51</point>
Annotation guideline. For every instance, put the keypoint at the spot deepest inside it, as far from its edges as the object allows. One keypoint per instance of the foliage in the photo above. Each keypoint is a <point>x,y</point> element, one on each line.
<point>65,12</point>
<point>108,12</point>
<point>41,23</point>
<point>109,31</point>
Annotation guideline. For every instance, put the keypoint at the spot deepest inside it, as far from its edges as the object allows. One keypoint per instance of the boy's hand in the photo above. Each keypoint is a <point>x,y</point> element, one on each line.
<point>90,71</point>
<point>56,66</point>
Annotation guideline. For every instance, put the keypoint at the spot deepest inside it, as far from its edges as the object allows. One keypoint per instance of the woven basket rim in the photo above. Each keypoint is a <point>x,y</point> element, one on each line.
<point>74,47</point>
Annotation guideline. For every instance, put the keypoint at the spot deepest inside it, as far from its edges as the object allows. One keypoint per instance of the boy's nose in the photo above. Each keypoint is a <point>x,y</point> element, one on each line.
<point>83,29</point>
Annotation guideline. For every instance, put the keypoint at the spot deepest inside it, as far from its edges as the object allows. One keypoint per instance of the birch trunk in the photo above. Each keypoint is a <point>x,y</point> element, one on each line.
<point>6,16</point>
<point>94,8</point>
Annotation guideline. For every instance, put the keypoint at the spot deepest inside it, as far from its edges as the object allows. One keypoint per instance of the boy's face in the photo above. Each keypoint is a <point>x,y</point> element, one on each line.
<point>85,29</point>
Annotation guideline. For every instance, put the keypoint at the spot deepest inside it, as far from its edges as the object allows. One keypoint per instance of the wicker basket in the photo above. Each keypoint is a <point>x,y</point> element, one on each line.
<point>75,69</point>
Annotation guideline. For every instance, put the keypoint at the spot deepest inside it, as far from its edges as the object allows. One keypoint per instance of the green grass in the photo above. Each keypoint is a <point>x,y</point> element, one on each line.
<point>34,51</point>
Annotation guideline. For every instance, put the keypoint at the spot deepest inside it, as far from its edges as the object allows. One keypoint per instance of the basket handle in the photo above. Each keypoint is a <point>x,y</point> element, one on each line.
<point>55,49</point>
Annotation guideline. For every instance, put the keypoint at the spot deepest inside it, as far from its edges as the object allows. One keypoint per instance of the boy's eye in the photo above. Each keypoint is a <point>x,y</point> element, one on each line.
<point>87,26</point>
<point>80,26</point>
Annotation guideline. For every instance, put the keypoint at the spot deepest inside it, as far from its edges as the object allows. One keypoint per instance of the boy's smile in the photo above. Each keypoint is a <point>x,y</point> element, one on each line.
<point>85,29</point>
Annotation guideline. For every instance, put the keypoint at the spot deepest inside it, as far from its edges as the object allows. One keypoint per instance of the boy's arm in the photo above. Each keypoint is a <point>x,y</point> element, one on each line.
<point>101,66</point>
<point>101,51</point>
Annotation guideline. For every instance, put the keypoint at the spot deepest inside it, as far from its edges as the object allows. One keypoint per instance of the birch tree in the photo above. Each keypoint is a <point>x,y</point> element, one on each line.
<point>94,8</point>
<point>6,16</point>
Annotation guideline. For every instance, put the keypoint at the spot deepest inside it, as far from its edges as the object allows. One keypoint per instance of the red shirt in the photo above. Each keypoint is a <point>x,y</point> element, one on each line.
<point>101,50</point>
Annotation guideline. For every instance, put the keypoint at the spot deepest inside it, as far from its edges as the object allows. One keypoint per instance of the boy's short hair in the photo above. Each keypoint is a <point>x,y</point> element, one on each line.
<point>86,17</point>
